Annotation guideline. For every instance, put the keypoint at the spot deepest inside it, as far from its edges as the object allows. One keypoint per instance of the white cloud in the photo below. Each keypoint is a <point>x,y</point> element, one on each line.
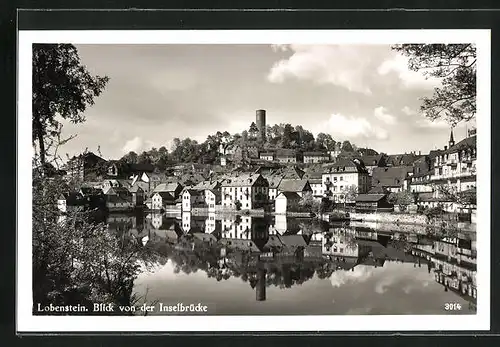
<point>398,64</point>
<point>343,66</point>
<point>427,123</point>
<point>137,144</point>
<point>423,122</point>
<point>383,285</point>
<point>408,111</point>
<point>381,114</point>
<point>352,127</point>
<point>279,48</point>
<point>360,274</point>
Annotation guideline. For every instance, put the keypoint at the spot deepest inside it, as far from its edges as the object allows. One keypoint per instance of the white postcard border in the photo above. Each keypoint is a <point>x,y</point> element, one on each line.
<point>26,322</point>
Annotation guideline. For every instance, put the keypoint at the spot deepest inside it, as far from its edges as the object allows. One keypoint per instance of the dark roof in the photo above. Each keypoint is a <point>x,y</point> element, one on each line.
<point>293,240</point>
<point>135,188</point>
<point>292,185</point>
<point>434,153</point>
<point>206,185</point>
<point>205,237</point>
<point>319,154</point>
<point>293,172</point>
<point>90,191</point>
<point>371,160</point>
<point>286,153</point>
<point>369,197</point>
<point>243,180</point>
<point>469,142</point>
<point>377,190</point>
<point>273,241</point>
<point>290,195</point>
<point>401,159</point>
<point>313,175</point>
<point>193,192</point>
<point>390,176</point>
<point>164,195</point>
<point>347,165</point>
<point>167,187</point>
<point>315,181</point>
<point>274,181</point>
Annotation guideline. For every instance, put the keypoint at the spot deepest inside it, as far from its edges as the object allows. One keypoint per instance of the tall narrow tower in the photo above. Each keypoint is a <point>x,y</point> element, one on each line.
<point>260,289</point>
<point>260,121</point>
<point>452,141</point>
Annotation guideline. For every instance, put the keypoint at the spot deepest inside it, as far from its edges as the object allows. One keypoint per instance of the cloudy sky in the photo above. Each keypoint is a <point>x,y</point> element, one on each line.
<point>364,94</point>
<point>395,288</point>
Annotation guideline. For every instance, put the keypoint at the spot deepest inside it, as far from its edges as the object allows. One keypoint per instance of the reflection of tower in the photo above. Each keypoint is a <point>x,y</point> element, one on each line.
<point>260,121</point>
<point>260,290</point>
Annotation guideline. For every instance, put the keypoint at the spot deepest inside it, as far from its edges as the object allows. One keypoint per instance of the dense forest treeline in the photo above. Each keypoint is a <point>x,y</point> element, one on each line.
<point>278,136</point>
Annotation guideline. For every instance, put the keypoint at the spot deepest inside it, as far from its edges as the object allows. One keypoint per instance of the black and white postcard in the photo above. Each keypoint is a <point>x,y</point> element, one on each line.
<point>321,180</point>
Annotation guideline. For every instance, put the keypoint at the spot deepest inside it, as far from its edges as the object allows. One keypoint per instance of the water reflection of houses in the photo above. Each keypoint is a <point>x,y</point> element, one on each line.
<point>454,261</point>
<point>287,252</point>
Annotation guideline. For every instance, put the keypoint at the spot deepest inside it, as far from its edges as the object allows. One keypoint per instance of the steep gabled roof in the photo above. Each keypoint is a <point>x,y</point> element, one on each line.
<point>193,192</point>
<point>290,195</point>
<point>274,181</point>
<point>293,240</point>
<point>346,165</point>
<point>167,187</point>
<point>390,176</point>
<point>372,160</point>
<point>401,159</point>
<point>243,180</point>
<point>293,185</point>
<point>207,185</point>
<point>165,195</point>
<point>293,172</point>
<point>469,142</point>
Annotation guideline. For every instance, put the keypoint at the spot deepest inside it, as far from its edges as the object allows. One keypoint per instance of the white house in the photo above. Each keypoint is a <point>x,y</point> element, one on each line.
<point>316,183</point>
<point>341,243</point>
<point>210,223</point>
<point>212,199</point>
<point>456,165</point>
<point>316,157</point>
<point>174,189</point>
<point>240,228</point>
<point>192,198</point>
<point>248,190</point>
<point>274,182</point>
<point>160,199</point>
<point>344,175</point>
<point>269,156</point>
<point>137,195</point>
<point>286,201</point>
<point>300,187</point>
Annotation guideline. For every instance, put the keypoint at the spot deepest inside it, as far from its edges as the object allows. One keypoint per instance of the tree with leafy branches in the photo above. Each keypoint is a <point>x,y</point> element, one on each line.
<point>455,65</point>
<point>403,199</point>
<point>62,89</point>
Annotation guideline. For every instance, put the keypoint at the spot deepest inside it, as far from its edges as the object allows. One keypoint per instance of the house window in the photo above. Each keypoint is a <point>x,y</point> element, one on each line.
<point>335,179</point>
<point>341,178</point>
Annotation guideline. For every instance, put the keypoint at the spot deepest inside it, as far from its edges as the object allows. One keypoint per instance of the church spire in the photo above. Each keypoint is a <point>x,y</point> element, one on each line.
<point>452,141</point>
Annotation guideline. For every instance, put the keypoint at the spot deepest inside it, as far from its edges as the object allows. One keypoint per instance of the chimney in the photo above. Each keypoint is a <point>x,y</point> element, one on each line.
<point>419,152</point>
<point>445,148</point>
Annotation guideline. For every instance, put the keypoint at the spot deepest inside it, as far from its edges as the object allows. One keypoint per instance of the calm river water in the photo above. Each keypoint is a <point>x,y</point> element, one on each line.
<point>242,265</point>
